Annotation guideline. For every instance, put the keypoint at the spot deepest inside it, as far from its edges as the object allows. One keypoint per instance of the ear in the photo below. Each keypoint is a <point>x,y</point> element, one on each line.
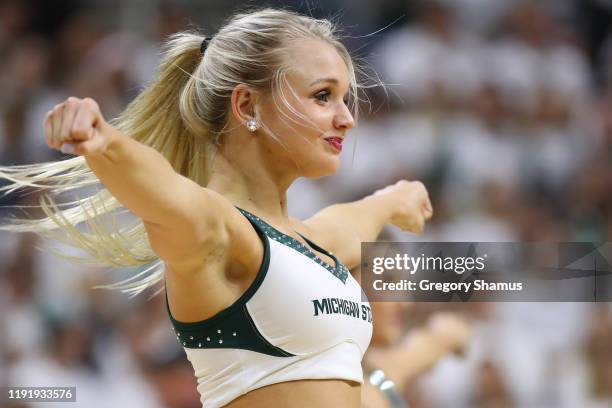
<point>243,102</point>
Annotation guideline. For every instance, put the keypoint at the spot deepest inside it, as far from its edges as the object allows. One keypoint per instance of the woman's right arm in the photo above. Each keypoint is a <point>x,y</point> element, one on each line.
<point>181,217</point>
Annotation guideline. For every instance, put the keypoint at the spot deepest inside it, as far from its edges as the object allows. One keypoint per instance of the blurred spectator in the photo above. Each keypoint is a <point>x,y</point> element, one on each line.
<point>502,107</point>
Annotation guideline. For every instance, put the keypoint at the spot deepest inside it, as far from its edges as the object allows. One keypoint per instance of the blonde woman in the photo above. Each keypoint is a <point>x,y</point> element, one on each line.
<point>262,303</point>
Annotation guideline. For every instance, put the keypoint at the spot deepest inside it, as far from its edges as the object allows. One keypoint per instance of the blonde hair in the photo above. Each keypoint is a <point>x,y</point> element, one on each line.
<point>182,113</point>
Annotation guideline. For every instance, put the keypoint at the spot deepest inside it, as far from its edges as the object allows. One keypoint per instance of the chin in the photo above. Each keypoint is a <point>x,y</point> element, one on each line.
<point>322,168</point>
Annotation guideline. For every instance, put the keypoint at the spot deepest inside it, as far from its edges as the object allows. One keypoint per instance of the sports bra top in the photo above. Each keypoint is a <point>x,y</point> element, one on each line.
<point>300,319</point>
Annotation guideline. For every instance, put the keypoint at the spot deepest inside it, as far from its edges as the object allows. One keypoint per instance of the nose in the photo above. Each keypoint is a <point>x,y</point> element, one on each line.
<point>344,118</point>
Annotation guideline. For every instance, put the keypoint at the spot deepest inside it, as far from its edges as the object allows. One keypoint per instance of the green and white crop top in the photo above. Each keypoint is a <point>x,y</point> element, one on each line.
<point>300,319</point>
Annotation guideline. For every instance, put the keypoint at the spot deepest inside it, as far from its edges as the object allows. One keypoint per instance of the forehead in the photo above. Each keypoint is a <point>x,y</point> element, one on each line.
<point>314,59</point>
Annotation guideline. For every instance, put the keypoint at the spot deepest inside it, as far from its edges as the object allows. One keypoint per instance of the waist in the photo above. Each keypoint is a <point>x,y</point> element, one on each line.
<point>303,394</point>
<point>226,375</point>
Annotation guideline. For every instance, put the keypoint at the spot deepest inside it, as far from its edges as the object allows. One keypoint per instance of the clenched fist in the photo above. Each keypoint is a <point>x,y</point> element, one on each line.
<point>410,203</point>
<point>76,126</point>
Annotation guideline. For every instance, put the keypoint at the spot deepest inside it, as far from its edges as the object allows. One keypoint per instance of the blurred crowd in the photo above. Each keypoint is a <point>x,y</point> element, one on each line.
<point>503,108</point>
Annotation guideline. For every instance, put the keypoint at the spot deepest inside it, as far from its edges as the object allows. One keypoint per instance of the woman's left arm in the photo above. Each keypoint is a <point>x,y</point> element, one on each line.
<point>341,228</point>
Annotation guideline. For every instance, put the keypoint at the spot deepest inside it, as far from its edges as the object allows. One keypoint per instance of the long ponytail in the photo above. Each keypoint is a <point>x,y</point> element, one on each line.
<point>182,113</point>
<point>153,118</point>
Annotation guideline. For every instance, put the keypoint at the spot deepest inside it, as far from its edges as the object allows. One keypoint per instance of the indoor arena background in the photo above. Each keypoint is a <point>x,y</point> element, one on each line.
<point>502,107</point>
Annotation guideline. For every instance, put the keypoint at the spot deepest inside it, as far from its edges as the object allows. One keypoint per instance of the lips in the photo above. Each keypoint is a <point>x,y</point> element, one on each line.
<point>335,142</point>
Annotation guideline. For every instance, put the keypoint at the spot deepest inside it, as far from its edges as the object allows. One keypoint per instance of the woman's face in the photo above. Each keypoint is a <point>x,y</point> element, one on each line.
<point>309,137</point>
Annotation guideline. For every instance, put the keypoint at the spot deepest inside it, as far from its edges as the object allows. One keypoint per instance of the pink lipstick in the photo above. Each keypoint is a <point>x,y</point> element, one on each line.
<point>335,142</point>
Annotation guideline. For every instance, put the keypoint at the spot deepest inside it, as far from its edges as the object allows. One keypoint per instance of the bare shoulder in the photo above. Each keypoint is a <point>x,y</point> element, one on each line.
<point>319,236</point>
<point>301,227</point>
<point>324,237</point>
<point>210,269</point>
<point>331,237</point>
<point>212,227</point>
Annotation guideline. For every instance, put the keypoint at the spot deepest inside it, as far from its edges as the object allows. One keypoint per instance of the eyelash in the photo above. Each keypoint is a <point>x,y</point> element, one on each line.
<point>326,94</point>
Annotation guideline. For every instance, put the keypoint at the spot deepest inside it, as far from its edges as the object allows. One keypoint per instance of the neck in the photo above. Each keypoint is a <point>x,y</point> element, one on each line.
<point>241,176</point>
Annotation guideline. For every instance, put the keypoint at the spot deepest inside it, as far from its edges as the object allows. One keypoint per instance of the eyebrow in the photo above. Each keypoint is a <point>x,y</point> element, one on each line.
<point>316,81</point>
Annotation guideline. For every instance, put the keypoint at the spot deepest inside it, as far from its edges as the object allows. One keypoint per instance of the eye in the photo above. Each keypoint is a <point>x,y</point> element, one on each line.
<point>322,96</point>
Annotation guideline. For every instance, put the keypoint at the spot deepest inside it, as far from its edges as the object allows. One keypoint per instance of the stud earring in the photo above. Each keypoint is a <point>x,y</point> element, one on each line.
<point>252,125</point>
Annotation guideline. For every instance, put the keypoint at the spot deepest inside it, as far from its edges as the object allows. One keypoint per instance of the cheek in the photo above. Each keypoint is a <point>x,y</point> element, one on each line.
<point>309,118</point>
<point>299,146</point>
<point>302,140</point>
<point>294,130</point>
<point>300,143</point>
<point>303,116</point>
<point>322,119</point>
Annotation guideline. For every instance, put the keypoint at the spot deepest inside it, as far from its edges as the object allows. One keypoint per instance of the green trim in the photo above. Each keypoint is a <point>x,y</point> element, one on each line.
<point>339,270</point>
<point>232,327</point>
<point>246,296</point>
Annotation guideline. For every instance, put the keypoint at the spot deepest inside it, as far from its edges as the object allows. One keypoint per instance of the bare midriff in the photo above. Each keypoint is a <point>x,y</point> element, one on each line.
<point>303,394</point>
